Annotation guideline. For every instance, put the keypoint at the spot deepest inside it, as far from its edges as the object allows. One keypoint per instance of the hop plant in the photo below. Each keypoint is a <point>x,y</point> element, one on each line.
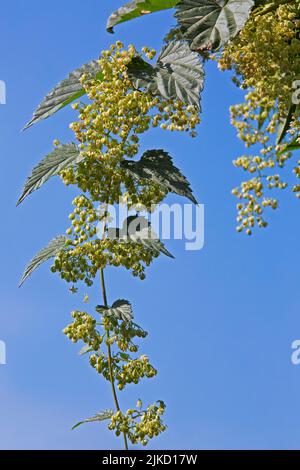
<point>140,426</point>
<point>100,335</point>
<point>265,59</point>
<point>108,130</point>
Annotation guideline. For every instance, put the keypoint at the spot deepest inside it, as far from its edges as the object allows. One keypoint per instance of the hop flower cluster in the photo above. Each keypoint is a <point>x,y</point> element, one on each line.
<point>82,262</point>
<point>82,218</point>
<point>265,59</point>
<point>296,187</point>
<point>119,365</point>
<point>135,370</point>
<point>110,126</point>
<point>123,333</point>
<point>139,426</point>
<point>84,328</point>
<point>126,369</point>
<point>108,130</point>
<point>265,55</point>
<point>89,251</point>
<point>252,193</point>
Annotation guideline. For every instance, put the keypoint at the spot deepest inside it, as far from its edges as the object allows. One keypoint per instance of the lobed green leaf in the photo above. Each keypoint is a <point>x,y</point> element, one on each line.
<point>210,24</point>
<point>50,251</point>
<point>178,74</point>
<point>67,91</point>
<point>99,417</point>
<point>60,159</point>
<point>286,122</point>
<point>157,166</point>
<point>137,8</point>
<point>120,310</point>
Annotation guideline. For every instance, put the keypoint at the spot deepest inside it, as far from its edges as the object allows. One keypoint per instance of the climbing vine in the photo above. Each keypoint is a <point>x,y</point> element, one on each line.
<point>108,132</point>
<point>128,93</point>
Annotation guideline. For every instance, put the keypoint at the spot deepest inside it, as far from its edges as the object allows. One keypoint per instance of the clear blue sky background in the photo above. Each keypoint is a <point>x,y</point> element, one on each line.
<point>221,320</point>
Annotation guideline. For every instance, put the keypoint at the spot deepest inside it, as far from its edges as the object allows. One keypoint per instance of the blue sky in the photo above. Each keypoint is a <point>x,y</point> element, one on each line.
<point>221,320</point>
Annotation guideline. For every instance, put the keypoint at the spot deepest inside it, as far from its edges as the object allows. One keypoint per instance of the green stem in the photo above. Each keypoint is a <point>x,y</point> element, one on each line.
<point>109,356</point>
<point>272,7</point>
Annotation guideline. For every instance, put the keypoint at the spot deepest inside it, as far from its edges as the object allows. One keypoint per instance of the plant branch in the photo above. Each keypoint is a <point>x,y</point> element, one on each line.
<point>109,355</point>
<point>269,8</point>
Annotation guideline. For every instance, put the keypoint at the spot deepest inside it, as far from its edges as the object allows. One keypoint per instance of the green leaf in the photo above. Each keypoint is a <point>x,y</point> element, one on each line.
<point>137,229</point>
<point>64,93</point>
<point>155,245</point>
<point>55,246</point>
<point>291,147</point>
<point>285,123</point>
<point>137,8</point>
<point>60,159</point>
<point>177,69</point>
<point>157,166</point>
<point>210,24</point>
<point>99,417</point>
<point>125,357</point>
<point>85,350</point>
<point>120,310</point>
<point>178,74</point>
